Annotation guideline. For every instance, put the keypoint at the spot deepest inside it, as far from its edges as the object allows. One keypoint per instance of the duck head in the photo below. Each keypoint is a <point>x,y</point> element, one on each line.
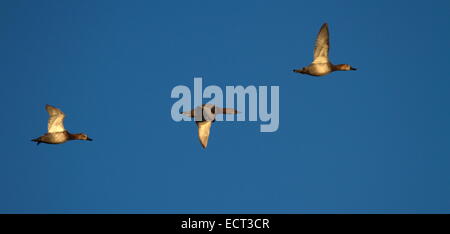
<point>344,67</point>
<point>80,136</point>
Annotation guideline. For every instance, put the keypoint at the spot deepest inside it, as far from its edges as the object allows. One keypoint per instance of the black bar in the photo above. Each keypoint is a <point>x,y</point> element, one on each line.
<point>224,223</point>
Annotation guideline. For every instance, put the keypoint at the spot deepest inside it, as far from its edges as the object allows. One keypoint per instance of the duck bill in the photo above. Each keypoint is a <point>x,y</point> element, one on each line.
<point>353,68</point>
<point>89,139</point>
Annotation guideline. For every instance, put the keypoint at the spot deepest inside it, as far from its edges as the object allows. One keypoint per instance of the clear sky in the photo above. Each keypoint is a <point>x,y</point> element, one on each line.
<point>374,140</point>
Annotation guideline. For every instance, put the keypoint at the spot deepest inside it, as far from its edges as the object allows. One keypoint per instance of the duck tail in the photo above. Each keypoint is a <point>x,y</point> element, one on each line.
<point>298,71</point>
<point>37,141</point>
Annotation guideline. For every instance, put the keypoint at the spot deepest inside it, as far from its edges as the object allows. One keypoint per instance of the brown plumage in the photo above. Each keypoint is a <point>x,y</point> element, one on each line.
<point>56,133</point>
<point>204,116</point>
<point>321,65</point>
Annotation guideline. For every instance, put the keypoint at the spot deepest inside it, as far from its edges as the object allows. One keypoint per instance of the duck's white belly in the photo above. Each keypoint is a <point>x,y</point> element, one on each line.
<point>319,69</point>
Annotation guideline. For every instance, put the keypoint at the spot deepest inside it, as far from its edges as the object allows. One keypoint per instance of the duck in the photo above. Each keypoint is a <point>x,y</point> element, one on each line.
<point>321,65</point>
<point>204,116</point>
<point>56,134</point>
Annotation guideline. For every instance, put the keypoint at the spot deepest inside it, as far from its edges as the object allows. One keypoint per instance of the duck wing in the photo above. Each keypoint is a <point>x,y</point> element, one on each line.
<point>196,113</point>
<point>190,113</point>
<point>56,119</point>
<point>226,111</point>
<point>203,132</point>
<point>322,45</point>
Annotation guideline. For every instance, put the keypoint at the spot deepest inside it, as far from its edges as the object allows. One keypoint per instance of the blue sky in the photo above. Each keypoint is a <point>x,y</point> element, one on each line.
<point>371,141</point>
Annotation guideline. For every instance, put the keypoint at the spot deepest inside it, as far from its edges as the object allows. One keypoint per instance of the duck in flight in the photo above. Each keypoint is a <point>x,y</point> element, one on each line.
<point>321,65</point>
<point>56,133</point>
<point>204,116</point>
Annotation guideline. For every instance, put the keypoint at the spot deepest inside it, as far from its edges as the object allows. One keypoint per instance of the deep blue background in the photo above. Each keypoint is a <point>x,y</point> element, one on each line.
<point>371,141</point>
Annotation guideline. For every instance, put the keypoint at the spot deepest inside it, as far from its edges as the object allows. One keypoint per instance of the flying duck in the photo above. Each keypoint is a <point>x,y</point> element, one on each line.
<point>204,116</point>
<point>321,65</point>
<point>56,133</point>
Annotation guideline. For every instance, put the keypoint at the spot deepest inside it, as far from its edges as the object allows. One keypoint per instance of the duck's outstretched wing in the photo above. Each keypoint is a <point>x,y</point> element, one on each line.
<point>226,111</point>
<point>196,113</point>
<point>203,132</point>
<point>322,45</point>
<point>190,113</point>
<point>56,119</point>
